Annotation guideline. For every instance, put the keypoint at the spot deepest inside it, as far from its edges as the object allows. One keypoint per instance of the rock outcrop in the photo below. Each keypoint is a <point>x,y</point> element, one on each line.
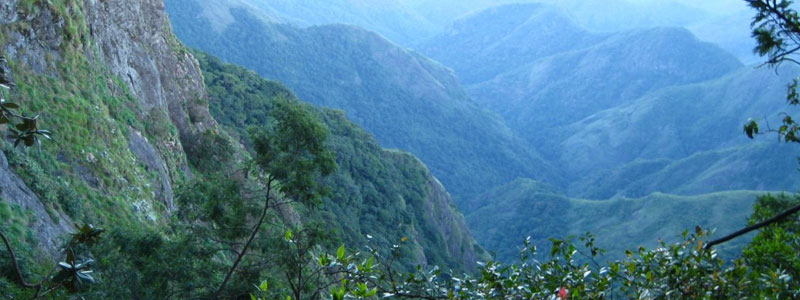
<point>131,45</point>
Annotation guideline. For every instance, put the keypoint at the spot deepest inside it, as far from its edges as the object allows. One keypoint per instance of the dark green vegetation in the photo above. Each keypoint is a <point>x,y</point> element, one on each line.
<point>374,192</point>
<point>525,208</point>
<point>576,269</point>
<point>405,100</point>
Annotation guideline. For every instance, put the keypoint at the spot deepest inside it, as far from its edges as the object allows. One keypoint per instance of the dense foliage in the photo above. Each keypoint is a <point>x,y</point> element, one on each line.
<point>374,192</point>
<point>575,269</point>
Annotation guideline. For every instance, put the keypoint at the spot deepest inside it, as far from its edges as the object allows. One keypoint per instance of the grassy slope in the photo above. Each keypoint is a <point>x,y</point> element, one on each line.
<point>87,171</point>
<point>522,208</point>
<point>702,148</point>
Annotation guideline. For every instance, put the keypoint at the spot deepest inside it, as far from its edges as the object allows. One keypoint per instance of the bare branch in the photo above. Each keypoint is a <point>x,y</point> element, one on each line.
<point>750,228</point>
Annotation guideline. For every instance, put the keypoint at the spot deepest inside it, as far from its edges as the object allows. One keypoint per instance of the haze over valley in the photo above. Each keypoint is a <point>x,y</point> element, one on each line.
<point>587,99</point>
<point>399,149</point>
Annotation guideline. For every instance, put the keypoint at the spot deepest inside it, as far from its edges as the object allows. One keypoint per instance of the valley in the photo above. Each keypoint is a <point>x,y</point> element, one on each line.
<point>414,149</point>
<point>534,94</point>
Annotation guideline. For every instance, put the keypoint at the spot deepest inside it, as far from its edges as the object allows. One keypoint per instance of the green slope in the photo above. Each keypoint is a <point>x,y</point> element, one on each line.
<point>407,101</point>
<point>522,208</point>
<point>703,143</point>
<point>386,194</point>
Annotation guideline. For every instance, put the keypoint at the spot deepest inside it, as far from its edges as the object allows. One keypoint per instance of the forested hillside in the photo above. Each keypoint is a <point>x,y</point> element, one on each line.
<point>587,113</point>
<point>386,194</point>
<point>142,194</point>
<point>623,114</point>
<point>405,100</point>
<point>526,208</point>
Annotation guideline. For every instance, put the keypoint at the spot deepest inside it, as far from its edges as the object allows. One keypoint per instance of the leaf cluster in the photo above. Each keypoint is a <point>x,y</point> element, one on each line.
<point>293,150</point>
<point>776,29</point>
<point>684,270</point>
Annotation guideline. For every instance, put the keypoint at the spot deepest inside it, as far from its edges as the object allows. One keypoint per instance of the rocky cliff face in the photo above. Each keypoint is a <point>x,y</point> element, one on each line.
<point>144,95</point>
<point>441,212</point>
<point>126,100</point>
<point>46,226</point>
<point>136,42</point>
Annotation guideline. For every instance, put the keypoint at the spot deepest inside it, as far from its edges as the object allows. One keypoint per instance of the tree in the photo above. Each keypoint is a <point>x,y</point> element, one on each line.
<point>776,29</point>
<point>291,154</point>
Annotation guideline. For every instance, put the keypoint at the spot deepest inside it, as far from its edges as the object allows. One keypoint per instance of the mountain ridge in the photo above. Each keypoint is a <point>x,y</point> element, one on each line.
<point>405,100</point>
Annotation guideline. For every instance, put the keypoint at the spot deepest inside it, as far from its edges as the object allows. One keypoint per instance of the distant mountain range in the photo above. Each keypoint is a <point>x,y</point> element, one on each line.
<point>636,102</point>
<point>406,100</point>
<point>537,114</point>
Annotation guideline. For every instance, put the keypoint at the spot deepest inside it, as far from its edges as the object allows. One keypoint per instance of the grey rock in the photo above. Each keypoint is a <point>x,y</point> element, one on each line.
<point>451,224</point>
<point>133,39</point>
<point>48,230</point>
<point>155,164</point>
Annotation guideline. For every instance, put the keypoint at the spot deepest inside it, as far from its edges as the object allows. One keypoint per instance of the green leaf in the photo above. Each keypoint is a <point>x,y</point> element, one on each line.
<point>370,262</point>
<point>84,276</point>
<point>751,128</point>
<point>263,286</point>
<point>340,252</point>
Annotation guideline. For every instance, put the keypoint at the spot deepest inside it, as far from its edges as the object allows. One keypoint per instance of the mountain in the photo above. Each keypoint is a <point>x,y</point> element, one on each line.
<point>602,105</point>
<point>485,44</point>
<point>554,66</point>
<point>129,108</point>
<point>386,194</point>
<point>411,22</point>
<point>628,116</point>
<point>731,31</point>
<point>525,208</point>
<point>393,19</point>
<point>406,100</point>
<point>706,133</point>
<point>577,83</point>
<point>618,15</point>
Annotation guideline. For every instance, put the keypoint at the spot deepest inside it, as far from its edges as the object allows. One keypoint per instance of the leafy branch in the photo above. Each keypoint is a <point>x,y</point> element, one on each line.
<point>776,29</point>
<point>291,155</point>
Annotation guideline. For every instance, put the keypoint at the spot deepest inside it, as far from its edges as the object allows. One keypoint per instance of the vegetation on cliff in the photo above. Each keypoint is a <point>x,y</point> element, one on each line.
<point>297,200</point>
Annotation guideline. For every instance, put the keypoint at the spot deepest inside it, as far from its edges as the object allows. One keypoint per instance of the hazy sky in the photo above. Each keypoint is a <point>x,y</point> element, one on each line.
<point>407,22</point>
